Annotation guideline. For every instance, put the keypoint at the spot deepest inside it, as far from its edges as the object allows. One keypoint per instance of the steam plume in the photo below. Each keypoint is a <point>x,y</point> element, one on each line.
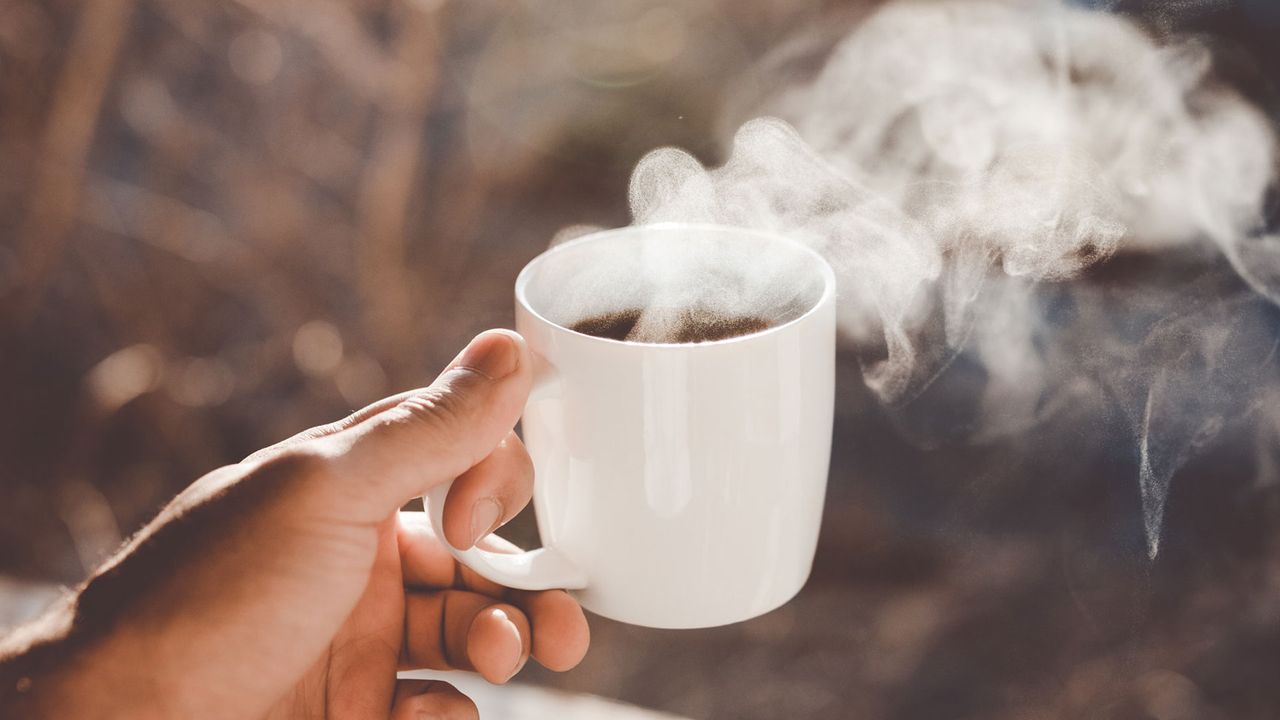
<point>951,158</point>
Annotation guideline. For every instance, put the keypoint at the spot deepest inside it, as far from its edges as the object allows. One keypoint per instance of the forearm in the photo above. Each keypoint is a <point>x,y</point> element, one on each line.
<point>60,667</point>
<point>33,663</point>
<point>154,630</point>
<point>168,621</point>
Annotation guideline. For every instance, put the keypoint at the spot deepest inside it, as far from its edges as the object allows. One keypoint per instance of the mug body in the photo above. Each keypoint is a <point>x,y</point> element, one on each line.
<point>685,480</point>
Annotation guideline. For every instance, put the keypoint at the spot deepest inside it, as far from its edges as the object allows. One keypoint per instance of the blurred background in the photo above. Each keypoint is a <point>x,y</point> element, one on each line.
<point>223,222</point>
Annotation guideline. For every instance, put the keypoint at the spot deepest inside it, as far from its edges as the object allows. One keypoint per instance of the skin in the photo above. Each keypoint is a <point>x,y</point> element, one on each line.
<point>290,586</point>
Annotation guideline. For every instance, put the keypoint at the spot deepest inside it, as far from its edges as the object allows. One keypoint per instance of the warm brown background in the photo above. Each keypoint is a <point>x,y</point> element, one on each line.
<point>221,222</point>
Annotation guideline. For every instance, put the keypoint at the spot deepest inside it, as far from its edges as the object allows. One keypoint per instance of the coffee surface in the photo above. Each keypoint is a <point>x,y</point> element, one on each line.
<point>684,327</point>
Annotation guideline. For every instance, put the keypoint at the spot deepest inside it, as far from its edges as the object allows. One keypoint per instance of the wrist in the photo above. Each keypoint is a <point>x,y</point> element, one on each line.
<point>51,668</point>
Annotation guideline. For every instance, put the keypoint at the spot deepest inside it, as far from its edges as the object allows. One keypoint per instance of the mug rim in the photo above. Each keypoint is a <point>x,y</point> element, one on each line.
<point>824,269</point>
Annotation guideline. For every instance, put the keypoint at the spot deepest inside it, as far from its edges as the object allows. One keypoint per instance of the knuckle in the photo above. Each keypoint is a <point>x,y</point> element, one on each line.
<point>431,405</point>
<point>303,462</point>
<point>446,403</point>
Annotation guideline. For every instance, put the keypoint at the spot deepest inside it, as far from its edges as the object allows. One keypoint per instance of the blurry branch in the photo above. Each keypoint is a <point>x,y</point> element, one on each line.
<point>124,311</point>
<point>163,226</point>
<point>453,232</point>
<point>385,192</point>
<point>219,261</point>
<point>160,221</point>
<point>73,115</point>
<point>336,33</point>
<point>397,82</point>
<point>190,20</point>
<point>91,523</point>
<point>174,131</point>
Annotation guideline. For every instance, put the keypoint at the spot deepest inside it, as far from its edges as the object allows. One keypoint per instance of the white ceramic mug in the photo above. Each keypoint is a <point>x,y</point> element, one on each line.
<point>677,485</point>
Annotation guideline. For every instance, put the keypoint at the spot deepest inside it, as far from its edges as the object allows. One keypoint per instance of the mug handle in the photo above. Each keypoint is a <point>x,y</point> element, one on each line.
<point>542,569</point>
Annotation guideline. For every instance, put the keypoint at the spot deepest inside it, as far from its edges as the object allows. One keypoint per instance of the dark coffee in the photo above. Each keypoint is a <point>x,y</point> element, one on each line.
<point>690,326</point>
<point>614,326</point>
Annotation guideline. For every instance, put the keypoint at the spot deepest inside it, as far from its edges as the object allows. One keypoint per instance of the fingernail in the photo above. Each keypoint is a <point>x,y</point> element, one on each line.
<point>519,665</point>
<point>492,354</point>
<point>521,658</point>
<point>484,518</point>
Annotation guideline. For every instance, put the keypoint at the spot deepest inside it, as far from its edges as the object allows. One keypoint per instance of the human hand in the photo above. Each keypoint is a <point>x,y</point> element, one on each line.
<point>289,585</point>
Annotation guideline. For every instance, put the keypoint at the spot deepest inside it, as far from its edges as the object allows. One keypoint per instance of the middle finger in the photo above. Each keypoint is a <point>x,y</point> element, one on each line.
<point>460,630</point>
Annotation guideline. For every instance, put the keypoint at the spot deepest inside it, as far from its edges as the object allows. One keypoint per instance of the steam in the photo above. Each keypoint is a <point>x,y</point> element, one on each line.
<point>949,159</point>
<point>677,284</point>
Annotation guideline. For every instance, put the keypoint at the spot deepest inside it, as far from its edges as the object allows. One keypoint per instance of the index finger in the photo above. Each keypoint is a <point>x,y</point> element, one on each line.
<point>336,426</point>
<point>426,564</point>
<point>349,421</point>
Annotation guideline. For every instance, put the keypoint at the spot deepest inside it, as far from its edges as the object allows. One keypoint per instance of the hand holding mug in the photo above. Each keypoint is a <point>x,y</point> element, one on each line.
<point>680,484</point>
<point>288,585</point>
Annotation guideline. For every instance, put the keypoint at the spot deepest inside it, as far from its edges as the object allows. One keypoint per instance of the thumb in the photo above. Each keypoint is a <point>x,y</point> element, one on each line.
<point>435,434</point>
